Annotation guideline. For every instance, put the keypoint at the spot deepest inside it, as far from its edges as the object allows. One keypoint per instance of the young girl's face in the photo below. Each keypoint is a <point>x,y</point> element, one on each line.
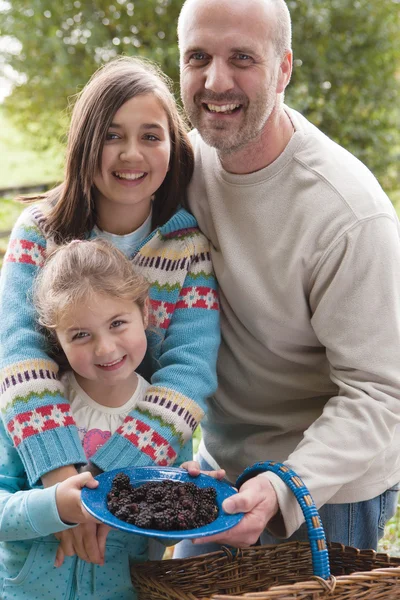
<point>104,340</point>
<point>134,162</point>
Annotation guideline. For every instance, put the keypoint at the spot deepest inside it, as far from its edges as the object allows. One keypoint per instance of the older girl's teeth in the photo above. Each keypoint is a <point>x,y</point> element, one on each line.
<point>224,108</point>
<point>130,176</point>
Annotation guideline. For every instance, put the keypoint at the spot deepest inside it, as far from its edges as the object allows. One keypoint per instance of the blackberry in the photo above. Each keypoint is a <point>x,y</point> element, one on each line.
<point>163,505</point>
<point>144,520</point>
<point>121,482</point>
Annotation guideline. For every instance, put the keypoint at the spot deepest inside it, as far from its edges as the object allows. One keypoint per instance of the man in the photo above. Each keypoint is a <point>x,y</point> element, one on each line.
<point>306,250</point>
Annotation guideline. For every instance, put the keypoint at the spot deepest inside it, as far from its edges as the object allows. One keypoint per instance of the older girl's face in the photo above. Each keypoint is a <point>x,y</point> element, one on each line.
<point>134,163</point>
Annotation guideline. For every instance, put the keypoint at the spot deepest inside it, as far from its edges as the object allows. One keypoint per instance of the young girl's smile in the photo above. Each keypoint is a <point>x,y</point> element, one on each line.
<point>104,342</point>
<point>134,163</point>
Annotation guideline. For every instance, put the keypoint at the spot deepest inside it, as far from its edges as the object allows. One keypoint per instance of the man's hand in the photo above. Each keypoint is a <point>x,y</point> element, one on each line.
<point>257,498</point>
<point>193,468</point>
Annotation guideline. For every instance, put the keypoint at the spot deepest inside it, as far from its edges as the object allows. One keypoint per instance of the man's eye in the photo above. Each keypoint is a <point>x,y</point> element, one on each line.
<point>242,57</point>
<point>197,57</point>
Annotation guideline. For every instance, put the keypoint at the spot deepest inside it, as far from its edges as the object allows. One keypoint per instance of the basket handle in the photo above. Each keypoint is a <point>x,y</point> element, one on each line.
<point>316,534</point>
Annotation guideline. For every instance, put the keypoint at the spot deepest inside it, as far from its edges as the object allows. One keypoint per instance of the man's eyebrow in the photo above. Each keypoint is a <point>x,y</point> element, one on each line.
<point>193,49</point>
<point>245,50</point>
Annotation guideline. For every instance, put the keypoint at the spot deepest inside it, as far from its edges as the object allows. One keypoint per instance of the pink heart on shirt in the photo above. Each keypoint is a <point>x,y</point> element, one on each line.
<point>93,440</point>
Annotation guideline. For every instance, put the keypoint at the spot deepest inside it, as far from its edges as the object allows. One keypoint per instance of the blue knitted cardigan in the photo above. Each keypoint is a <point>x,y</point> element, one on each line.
<point>183,341</point>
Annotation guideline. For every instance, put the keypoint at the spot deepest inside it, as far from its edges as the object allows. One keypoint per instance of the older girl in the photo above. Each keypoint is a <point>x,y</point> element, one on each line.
<point>127,169</point>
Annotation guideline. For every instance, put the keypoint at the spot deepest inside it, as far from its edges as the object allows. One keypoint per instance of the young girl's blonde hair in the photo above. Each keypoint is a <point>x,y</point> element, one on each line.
<point>78,270</point>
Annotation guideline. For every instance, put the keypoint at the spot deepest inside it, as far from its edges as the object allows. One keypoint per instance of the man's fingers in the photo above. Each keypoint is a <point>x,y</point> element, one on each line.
<point>243,502</point>
<point>220,474</point>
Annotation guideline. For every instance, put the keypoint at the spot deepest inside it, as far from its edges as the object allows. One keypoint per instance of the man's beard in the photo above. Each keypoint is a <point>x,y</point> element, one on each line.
<point>226,137</point>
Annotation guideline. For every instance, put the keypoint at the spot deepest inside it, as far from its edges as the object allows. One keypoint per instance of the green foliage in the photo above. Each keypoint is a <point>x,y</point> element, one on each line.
<point>20,164</point>
<point>347,54</point>
<point>63,43</point>
<point>346,76</point>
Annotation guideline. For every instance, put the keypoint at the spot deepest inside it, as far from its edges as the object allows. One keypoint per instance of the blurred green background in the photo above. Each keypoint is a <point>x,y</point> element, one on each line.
<point>346,80</point>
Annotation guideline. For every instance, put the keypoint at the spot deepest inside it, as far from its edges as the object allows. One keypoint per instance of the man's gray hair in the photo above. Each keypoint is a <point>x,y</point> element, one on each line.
<point>282,32</point>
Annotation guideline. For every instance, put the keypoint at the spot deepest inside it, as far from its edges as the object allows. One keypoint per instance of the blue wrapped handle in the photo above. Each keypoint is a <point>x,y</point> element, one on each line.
<point>316,534</point>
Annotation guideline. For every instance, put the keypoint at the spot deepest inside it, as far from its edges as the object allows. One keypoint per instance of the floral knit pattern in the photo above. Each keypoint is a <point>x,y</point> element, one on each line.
<point>183,340</point>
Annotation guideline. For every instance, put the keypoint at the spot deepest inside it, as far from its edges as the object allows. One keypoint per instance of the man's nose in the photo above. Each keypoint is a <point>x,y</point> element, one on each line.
<point>219,77</point>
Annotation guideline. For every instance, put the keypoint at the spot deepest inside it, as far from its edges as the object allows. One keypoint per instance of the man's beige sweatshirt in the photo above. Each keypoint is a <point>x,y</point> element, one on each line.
<point>307,256</point>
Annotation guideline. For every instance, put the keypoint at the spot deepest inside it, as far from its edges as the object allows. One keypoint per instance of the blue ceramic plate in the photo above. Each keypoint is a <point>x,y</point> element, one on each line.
<point>95,501</point>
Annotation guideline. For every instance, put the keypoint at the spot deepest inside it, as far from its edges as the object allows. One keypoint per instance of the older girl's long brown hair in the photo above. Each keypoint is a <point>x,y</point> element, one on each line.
<point>72,211</point>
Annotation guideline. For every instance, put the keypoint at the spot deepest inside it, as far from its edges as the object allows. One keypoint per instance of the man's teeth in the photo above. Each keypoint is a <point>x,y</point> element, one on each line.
<point>111,363</point>
<point>130,176</point>
<point>224,108</point>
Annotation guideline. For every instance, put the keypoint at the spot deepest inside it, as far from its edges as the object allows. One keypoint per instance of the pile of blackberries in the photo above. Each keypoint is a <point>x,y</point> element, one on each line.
<point>165,505</point>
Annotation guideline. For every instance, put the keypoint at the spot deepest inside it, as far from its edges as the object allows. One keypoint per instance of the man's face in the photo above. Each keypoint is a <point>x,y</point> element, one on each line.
<point>229,71</point>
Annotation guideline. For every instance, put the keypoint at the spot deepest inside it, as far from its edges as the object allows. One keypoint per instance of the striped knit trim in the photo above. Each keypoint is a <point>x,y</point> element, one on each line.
<point>162,263</point>
<point>174,409</point>
<point>148,441</point>
<point>35,422</point>
<point>39,218</point>
<point>26,371</point>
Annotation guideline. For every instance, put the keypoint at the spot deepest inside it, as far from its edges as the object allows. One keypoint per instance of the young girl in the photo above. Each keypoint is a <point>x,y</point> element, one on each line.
<point>94,308</point>
<point>128,165</point>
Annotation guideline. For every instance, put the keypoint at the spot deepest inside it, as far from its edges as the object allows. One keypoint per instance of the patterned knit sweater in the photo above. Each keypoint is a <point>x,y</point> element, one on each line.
<point>183,341</point>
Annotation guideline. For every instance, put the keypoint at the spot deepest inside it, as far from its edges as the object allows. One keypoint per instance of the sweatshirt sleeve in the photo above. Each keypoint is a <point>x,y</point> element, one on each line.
<point>355,300</point>
<point>163,423</point>
<point>24,514</point>
<point>35,412</point>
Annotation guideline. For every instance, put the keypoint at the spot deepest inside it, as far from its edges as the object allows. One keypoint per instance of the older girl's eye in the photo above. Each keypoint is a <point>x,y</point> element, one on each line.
<point>111,136</point>
<point>150,137</point>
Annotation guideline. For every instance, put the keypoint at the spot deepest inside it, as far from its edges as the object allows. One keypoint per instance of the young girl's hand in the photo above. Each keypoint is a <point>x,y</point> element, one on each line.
<point>68,498</point>
<point>87,541</point>
<point>193,468</point>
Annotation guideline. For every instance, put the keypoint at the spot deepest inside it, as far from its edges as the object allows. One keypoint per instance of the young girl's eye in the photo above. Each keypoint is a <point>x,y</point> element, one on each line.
<point>117,323</point>
<point>80,335</point>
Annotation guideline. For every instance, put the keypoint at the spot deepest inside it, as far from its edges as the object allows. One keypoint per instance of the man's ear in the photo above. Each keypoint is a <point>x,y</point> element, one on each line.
<point>285,72</point>
<point>145,312</point>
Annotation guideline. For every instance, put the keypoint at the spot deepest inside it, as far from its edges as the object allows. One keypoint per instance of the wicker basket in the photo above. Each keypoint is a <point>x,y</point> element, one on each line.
<point>290,571</point>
